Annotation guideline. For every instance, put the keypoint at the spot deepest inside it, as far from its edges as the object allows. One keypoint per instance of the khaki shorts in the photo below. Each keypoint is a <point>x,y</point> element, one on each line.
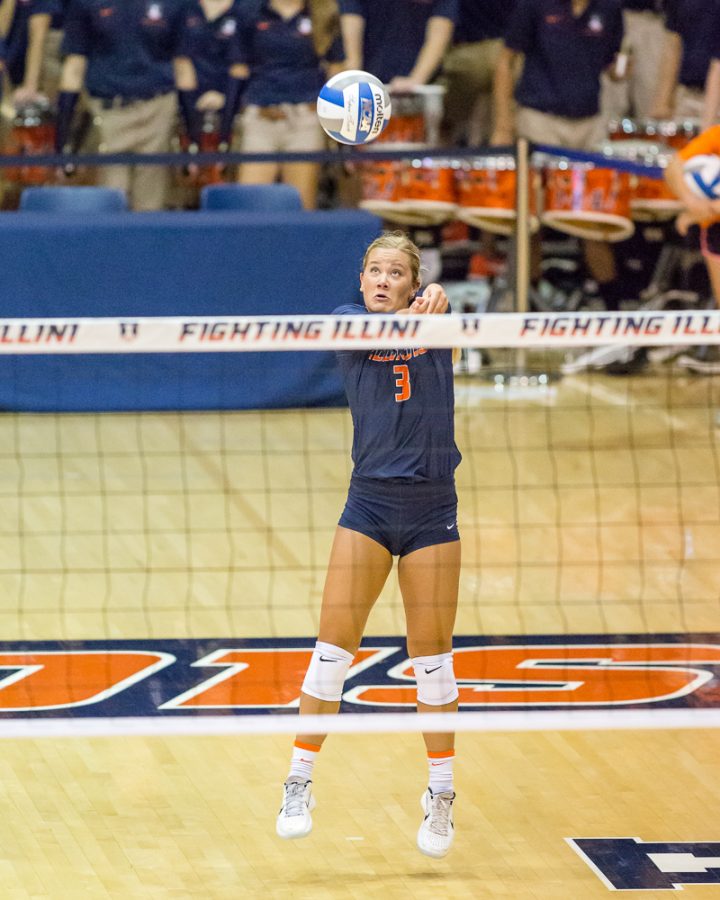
<point>285,128</point>
<point>143,126</point>
<point>558,131</point>
<point>689,102</point>
<point>468,70</point>
<point>645,33</point>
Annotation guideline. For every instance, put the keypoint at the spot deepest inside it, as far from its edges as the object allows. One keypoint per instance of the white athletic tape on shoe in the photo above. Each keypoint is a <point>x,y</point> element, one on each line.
<point>435,678</point>
<point>327,672</point>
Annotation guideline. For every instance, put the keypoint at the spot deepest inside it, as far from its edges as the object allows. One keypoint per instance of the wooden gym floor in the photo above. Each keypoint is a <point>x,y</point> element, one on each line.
<point>591,506</point>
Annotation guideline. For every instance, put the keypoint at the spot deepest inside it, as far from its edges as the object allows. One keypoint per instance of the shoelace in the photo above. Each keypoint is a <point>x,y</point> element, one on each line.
<point>440,814</point>
<point>295,798</point>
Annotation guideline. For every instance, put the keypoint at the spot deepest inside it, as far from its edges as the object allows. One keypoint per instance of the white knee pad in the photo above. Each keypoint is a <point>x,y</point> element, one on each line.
<point>327,672</point>
<point>435,678</point>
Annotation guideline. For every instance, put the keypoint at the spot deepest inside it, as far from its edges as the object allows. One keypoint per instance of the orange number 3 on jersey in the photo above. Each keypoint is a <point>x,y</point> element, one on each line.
<point>402,383</point>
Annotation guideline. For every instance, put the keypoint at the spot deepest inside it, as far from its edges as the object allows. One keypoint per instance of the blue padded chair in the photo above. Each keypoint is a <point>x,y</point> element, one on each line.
<point>73,199</point>
<point>251,197</point>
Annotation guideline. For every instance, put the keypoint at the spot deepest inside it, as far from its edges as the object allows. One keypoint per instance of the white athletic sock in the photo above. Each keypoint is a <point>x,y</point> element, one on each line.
<point>440,768</point>
<point>303,760</point>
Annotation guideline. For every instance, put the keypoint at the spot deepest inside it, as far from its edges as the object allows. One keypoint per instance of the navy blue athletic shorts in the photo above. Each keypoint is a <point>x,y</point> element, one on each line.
<point>710,239</point>
<point>402,516</point>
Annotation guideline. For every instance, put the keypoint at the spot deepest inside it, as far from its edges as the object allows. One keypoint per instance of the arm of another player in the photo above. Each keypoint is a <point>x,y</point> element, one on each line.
<point>696,209</point>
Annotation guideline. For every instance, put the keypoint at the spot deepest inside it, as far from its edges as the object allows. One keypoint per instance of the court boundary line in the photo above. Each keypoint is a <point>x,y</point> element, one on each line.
<point>359,723</point>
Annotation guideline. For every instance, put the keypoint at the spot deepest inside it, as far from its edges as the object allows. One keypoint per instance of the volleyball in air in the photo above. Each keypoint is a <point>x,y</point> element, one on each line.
<point>354,107</point>
<point>702,176</point>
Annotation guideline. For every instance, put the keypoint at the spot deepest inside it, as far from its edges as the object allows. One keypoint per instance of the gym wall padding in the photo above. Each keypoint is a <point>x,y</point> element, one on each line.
<point>173,264</point>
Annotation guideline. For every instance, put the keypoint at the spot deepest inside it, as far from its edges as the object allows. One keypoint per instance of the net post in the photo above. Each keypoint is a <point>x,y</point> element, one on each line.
<point>522,236</point>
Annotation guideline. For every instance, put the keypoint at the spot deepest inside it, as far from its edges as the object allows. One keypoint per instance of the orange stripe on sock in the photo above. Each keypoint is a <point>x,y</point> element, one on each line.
<point>311,748</point>
<point>443,754</point>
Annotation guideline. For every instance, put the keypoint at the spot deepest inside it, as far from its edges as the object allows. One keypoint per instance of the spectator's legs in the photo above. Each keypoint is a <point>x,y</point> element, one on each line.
<point>258,135</point>
<point>291,128</point>
<point>154,130</point>
<point>304,177</point>
<point>467,74</point>
<point>303,134</point>
<point>141,127</point>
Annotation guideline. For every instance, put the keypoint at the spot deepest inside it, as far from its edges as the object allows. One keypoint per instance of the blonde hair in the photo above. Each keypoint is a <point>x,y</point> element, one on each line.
<point>397,240</point>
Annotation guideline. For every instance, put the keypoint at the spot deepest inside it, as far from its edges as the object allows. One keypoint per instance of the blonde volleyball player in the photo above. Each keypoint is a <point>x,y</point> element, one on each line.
<point>401,502</point>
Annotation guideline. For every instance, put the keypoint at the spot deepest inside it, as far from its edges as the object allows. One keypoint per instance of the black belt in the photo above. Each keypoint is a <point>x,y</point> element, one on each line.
<point>119,102</point>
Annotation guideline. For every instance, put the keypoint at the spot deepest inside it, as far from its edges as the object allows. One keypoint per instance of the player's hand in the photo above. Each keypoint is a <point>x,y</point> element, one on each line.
<point>432,300</point>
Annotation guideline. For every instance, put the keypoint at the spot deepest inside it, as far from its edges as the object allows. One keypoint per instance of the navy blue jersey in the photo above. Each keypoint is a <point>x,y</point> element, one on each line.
<point>655,6</point>
<point>482,20</point>
<point>129,44</point>
<point>564,54</point>
<point>403,410</point>
<point>395,31</point>
<point>207,44</point>
<point>17,38</point>
<point>280,53</point>
<point>696,23</point>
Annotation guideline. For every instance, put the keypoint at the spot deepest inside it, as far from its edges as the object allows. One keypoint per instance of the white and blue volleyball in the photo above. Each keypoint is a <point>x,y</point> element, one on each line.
<point>354,107</point>
<point>702,176</point>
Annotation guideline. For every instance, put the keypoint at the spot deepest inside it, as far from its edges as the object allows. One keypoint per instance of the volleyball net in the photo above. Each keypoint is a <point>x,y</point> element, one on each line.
<point>138,545</point>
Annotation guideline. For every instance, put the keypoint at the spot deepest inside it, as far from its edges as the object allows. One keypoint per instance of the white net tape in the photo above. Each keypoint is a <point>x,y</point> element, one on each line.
<point>179,334</point>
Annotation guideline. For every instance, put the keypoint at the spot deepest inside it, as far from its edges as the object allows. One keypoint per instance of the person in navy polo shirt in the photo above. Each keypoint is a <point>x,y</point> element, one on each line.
<point>401,502</point>
<point>687,52</point>
<point>401,42</point>
<point>566,45</point>
<point>469,68</point>
<point>202,67</point>
<point>123,50</point>
<point>284,50</point>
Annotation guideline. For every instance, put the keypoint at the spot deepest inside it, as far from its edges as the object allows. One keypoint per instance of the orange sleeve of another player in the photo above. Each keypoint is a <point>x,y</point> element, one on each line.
<point>706,143</point>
